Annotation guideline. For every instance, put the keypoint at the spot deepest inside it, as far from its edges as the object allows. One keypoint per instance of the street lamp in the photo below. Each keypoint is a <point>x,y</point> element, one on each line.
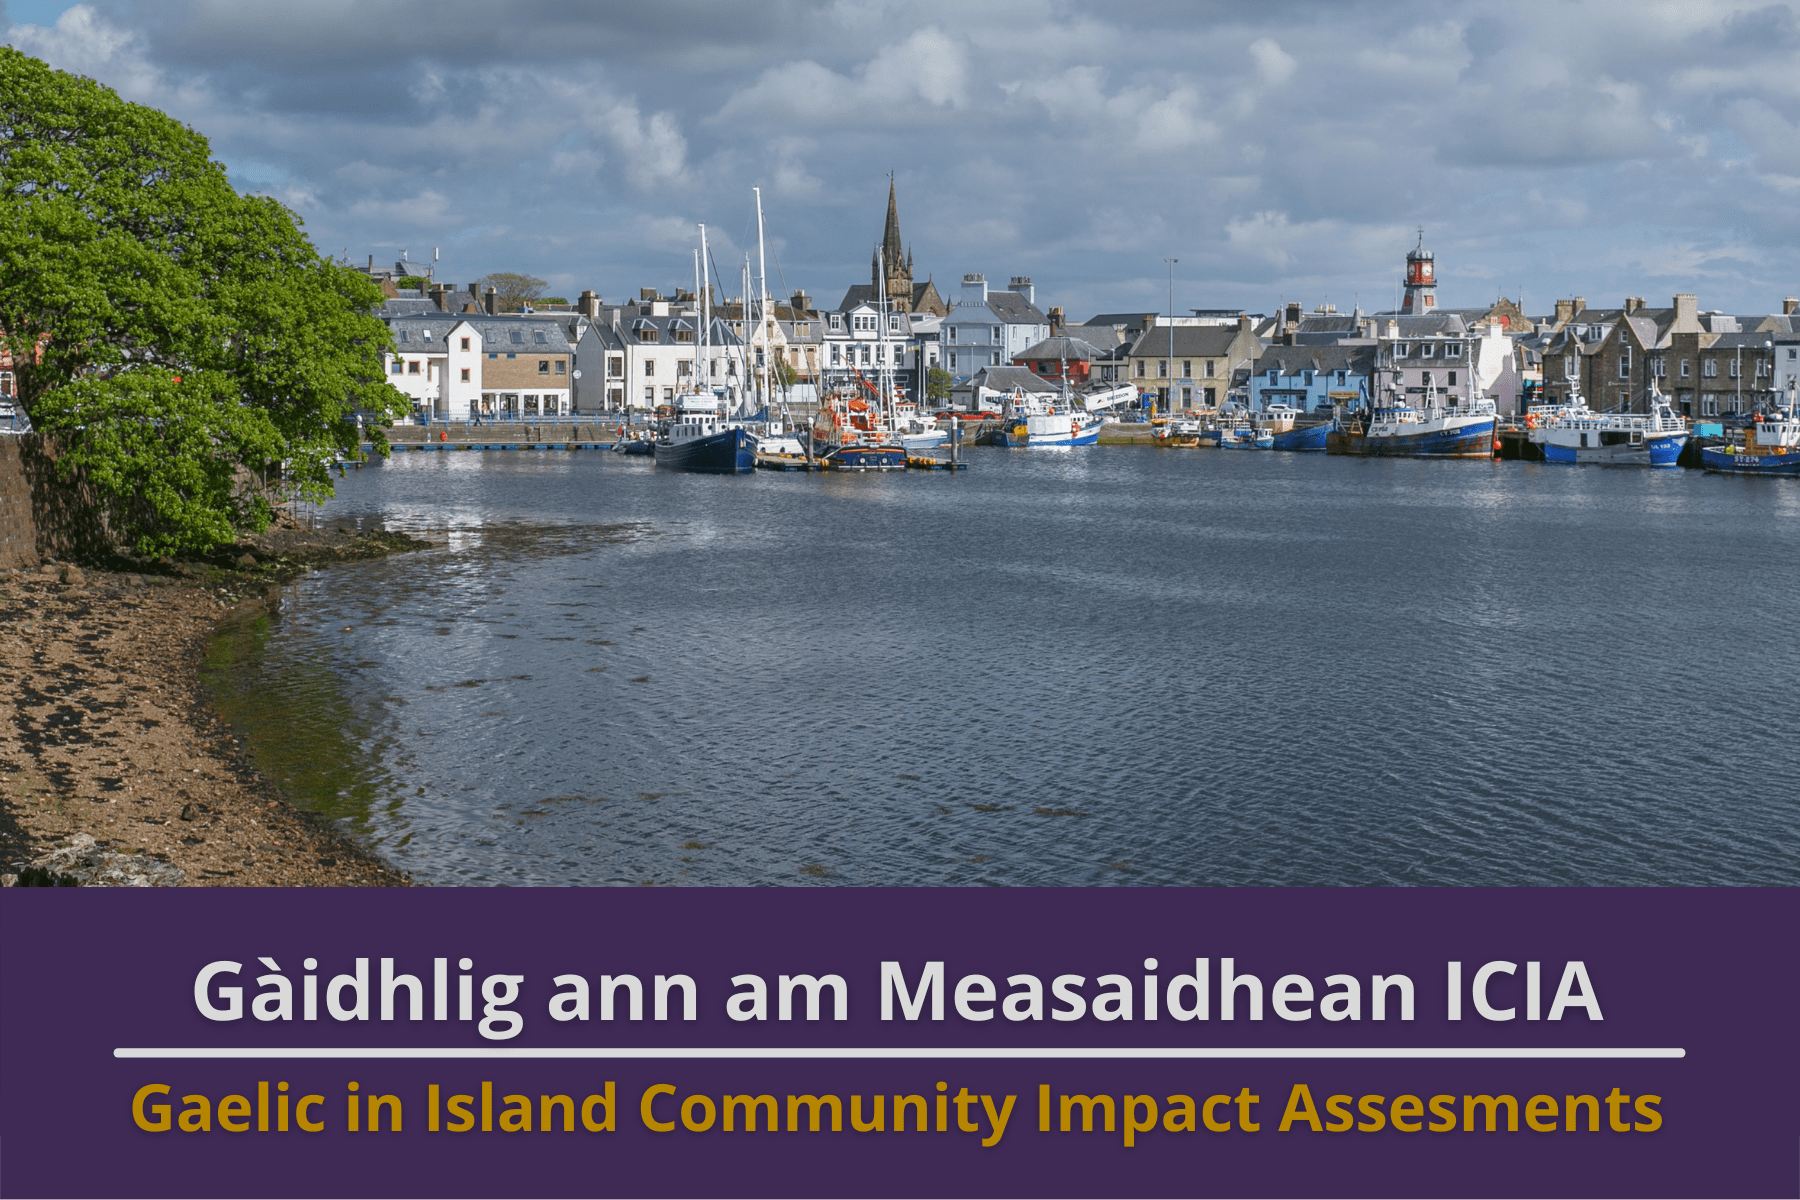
<point>1169,402</point>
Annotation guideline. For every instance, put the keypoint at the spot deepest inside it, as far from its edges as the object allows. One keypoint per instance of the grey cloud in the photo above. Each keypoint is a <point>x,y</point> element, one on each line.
<point>1280,152</point>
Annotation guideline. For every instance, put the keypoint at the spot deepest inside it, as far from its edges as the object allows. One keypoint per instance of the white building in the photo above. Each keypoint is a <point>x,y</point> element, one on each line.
<point>986,329</point>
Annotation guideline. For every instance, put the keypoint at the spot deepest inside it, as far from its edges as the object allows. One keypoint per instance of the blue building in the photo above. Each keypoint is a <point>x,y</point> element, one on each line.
<point>1311,378</point>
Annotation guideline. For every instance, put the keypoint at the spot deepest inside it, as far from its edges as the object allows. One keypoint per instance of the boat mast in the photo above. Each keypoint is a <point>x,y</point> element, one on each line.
<point>694,383</point>
<point>762,303</point>
<point>881,336</point>
<point>704,341</point>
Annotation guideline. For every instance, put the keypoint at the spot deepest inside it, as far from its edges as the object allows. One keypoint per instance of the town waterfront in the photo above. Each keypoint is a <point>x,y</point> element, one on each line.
<point>1114,666</point>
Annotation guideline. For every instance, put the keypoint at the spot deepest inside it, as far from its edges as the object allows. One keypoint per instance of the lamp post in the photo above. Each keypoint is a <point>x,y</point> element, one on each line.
<point>1170,402</point>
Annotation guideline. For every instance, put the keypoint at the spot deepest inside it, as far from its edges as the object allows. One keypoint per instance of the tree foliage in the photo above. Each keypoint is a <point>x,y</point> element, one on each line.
<point>178,338</point>
<point>937,385</point>
<point>512,291</point>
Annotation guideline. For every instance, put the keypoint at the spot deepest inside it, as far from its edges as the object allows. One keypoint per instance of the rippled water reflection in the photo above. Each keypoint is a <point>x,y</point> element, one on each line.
<point>1112,666</point>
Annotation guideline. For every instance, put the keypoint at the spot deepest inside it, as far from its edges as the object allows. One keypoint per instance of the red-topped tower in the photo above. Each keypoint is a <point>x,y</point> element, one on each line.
<point>1421,280</point>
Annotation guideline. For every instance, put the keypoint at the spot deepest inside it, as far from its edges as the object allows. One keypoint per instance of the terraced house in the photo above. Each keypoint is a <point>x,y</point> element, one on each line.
<point>1196,367</point>
<point>457,366</point>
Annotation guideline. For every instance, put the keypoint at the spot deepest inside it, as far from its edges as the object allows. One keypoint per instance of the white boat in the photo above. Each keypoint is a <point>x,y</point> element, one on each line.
<point>1036,420</point>
<point>1243,434</point>
<point>1578,434</point>
<point>917,431</point>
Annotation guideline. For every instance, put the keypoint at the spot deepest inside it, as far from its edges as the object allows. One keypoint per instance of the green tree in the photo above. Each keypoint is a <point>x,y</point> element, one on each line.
<point>512,291</point>
<point>179,339</point>
<point>937,385</point>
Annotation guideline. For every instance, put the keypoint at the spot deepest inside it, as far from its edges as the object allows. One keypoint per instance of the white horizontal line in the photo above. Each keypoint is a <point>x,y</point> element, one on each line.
<point>899,1052</point>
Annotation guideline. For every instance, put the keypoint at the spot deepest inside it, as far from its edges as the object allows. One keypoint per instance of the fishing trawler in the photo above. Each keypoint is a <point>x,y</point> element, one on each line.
<point>1432,430</point>
<point>698,436</point>
<point>1771,445</point>
<point>1578,434</point>
<point>852,433</point>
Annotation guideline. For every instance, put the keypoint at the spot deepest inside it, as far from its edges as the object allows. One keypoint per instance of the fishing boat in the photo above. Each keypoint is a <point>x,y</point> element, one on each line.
<point>1185,433</point>
<point>1238,430</point>
<point>1577,434</point>
<point>1037,420</point>
<point>1771,444</point>
<point>1432,430</point>
<point>1283,421</point>
<point>699,437</point>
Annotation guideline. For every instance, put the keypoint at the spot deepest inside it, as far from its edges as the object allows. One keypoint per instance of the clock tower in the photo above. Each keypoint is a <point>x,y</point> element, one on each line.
<point>1421,280</point>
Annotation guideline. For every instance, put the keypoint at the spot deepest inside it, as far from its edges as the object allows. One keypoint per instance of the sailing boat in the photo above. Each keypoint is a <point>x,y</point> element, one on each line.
<point>698,437</point>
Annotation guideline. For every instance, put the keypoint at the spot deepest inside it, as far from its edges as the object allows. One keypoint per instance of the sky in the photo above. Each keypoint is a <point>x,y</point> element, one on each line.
<point>1280,151</point>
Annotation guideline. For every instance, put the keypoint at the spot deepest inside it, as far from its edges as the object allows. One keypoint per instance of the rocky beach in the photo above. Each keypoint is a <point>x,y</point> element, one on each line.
<point>114,767</point>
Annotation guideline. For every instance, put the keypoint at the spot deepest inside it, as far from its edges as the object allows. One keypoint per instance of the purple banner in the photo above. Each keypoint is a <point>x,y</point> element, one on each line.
<point>1288,1042</point>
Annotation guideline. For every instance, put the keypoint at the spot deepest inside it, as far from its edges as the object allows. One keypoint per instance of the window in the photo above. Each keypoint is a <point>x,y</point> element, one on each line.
<point>649,368</point>
<point>399,368</point>
<point>1187,368</point>
<point>1453,379</point>
<point>994,334</point>
<point>1656,366</point>
<point>517,338</point>
<point>1401,349</point>
<point>1140,368</point>
<point>953,360</point>
<point>837,321</point>
<point>562,368</point>
<point>465,343</point>
<point>1162,368</point>
<point>1424,378</point>
<point>865,356</point>
<point>543,366</point>
<point>993,358</point>
<point>837,354</point>
<point>1684,367</point>
<point>425,335</point>
<point>864,323</point>
<point>1209,368</point>
<point>953,333</point>
<point>1734,367</point>
<point>1624,362</point>
<point>649,395</point>
<point>894,324</point>
<point>465,374</point>
<point>412,368</point>
<point>6,383</point>
<point>615,366</point>
<point>1710,368</point>
<point>1427,350</point>
<point>537,335</point>
<point>1453,350</point>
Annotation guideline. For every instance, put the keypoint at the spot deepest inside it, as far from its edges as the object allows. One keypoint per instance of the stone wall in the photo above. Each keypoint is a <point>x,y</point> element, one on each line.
<point>41,515</point>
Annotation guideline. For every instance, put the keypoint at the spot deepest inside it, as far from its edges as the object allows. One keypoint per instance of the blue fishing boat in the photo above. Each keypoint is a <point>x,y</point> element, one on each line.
<point>707,447</point>
<point>1432,430</point>
<point>1770,446</point>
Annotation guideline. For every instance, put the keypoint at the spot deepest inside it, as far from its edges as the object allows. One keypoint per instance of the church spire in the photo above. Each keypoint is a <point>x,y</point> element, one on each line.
<point>890,238</point>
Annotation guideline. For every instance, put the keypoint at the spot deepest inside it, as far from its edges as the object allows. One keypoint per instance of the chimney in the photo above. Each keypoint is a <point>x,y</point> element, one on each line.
<point>440,297</point>
<point>1687,313</point>
<point>1022,285</point>
<point>646,295</point>
<point>371,264</point>
<point>1633,303</point>
<point>1293,317</point>
<point>1790,305</point>
<point>589,305</point>
<point>974,289</point>
<point>1393,329</point>
<point>1580,305</point>
<point>1056,322</point>
<point>1565,312</point>
<point>1244,323</point>
<point>800,302</point>
<point>491,302</point>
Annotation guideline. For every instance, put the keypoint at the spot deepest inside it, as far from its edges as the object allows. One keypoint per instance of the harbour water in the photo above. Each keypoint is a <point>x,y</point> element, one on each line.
<point>1113,666</point>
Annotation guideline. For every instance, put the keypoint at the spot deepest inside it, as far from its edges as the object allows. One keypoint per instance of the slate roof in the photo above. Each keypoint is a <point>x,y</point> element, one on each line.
<point>865,293</point>
<point>1014,309</point>
<point>1006,379</point>
<point>1135,322</point>
<point>1191,341</point>
<point>1290,360</point>
<point>1426,325</point>
<point>410,331</point>
<point>1106,337</point>
<point>1062,348</point>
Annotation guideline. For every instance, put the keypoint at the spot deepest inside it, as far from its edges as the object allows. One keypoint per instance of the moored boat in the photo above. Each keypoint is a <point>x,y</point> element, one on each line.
<point>1575,433</point>
<point>1431,430</point>
<point>1770,446</point>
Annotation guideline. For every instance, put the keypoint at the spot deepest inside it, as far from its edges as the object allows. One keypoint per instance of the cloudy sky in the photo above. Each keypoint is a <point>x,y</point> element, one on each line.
<point>1279,150</point>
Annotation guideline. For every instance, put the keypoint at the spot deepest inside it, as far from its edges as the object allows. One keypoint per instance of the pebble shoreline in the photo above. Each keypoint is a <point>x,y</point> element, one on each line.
<point>109,733</point>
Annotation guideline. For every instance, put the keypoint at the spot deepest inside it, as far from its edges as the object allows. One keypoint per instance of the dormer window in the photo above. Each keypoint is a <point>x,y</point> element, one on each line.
<point>837,322</point>
<point>1453,350</point>
<point>404,336</point>
<point>537,336</point>
<point>864,323</point>
<point>1401,349</point>
<point>1426,350</point>
<point>517,338</point>
<point>894,324</point>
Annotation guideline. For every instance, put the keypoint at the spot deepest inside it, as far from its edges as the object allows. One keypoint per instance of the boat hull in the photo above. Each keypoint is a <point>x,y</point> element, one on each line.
<point>1474,439</point>
<point>728,452</point>
<point>1716,459</point>
<point>866,458</point>
<point>931,440</point>
<point>1656,450</point>
<point>1305,437</point>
